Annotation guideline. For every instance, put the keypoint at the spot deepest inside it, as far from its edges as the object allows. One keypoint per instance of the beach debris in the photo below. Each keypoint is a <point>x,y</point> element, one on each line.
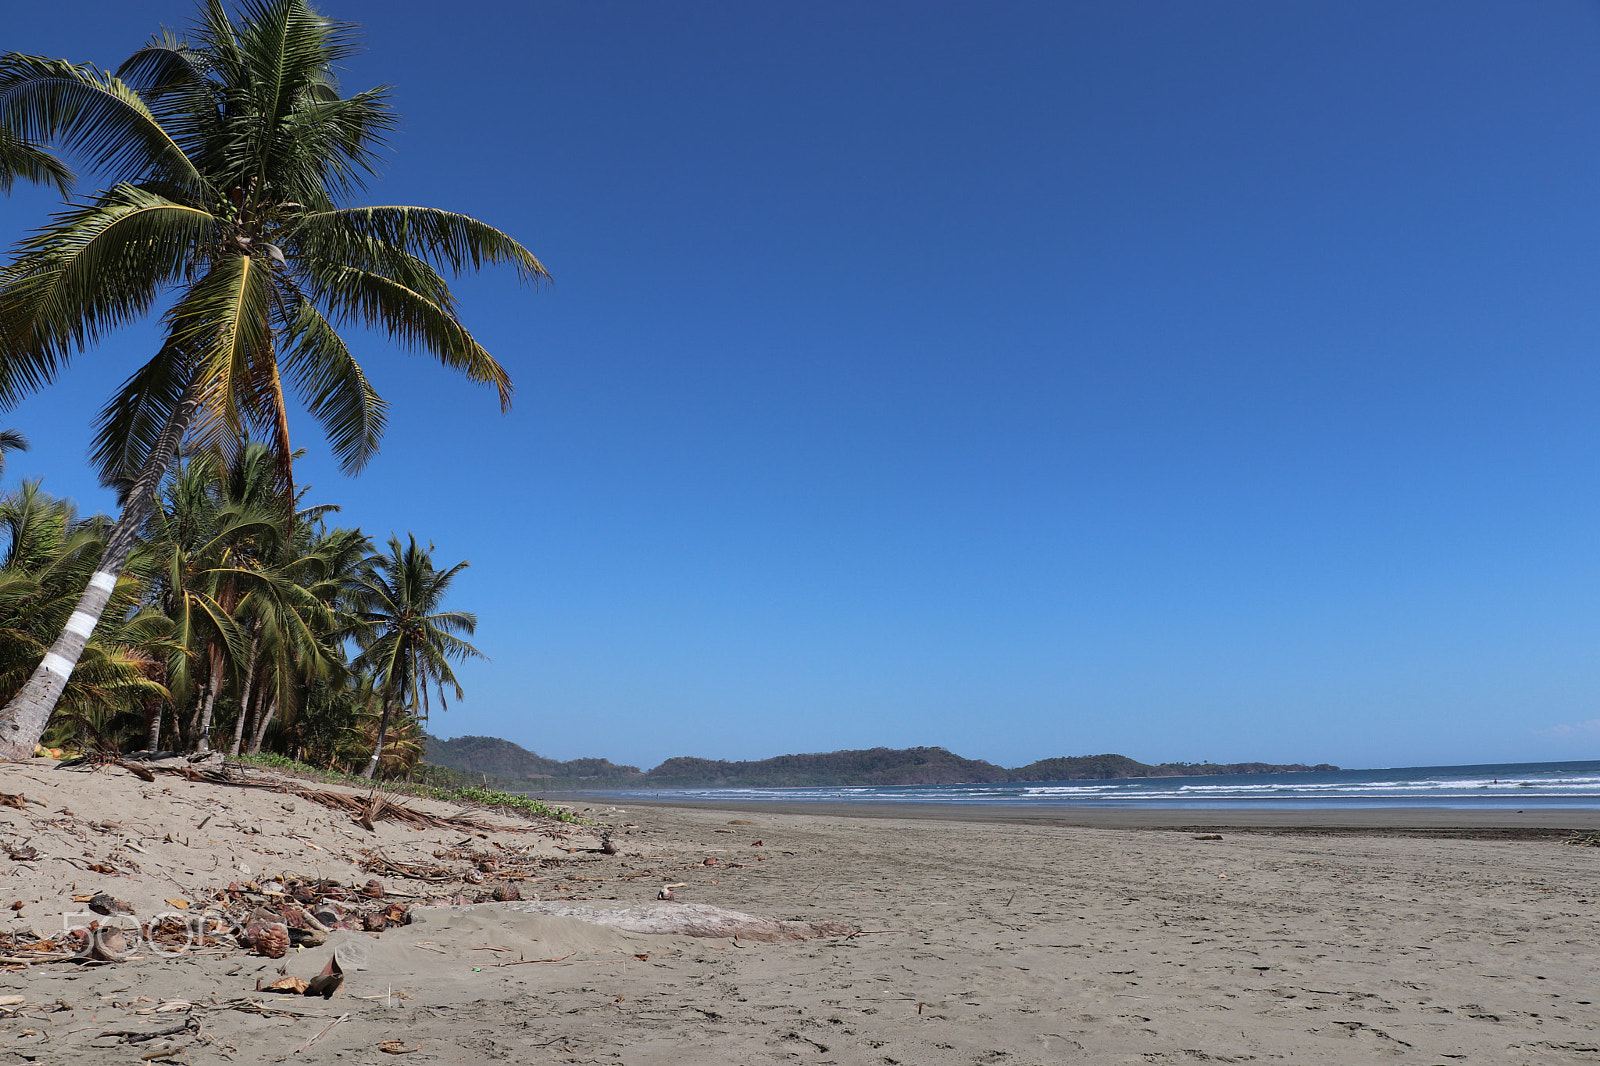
<point>1208,836</point>
<point>368,811</point>
<point>665,893</point>
<point>607,845</point>
<point>104,903</point>
<point>505,893</point>
<point>136,770</point>
<point>168,1006</point>
<point>18,801</point>
<point>741,821</point>
<point>1584,840</point>
<point>329,981</point>
<point>320,1034</point>
<point>294,986</point>
<point>397,1047</point>
<point>373,889</point>
<point>22,853</point>
<point>758,843</point>
<point>271,940</point>
<point>190,1024</point>
<point>106,943</point>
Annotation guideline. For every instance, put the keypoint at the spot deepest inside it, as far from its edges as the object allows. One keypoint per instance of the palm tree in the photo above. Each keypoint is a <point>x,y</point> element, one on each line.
<point>407,643</point>
<point>231,157</point>
<point>48,554</point>
<point>289,665</point>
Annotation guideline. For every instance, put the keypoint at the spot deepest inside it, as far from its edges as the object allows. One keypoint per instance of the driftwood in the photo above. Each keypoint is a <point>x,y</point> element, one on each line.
<point>367,810</point>
<point>683,919</point>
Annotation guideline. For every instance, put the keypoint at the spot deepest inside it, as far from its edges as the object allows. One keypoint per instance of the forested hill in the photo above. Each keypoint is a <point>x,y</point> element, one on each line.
<point>506,761</point>
<point>877,766</point>
<point>511,763</point>
<point>925,766</point>
<point>1116,767</point>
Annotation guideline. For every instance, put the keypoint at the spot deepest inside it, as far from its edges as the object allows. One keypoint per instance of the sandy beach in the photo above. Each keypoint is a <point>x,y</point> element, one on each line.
<point>983,936</point>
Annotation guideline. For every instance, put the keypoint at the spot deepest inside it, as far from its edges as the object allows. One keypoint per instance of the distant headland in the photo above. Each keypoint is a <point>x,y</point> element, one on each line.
<point>510,765</point>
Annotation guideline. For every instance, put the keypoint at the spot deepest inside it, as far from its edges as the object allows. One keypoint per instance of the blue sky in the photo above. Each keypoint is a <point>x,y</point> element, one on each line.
<point>1193,381</point>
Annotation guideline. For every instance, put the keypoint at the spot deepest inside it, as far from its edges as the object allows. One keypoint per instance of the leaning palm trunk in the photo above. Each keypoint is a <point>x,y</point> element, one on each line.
<point>383,731</point>
<point>23,720</point>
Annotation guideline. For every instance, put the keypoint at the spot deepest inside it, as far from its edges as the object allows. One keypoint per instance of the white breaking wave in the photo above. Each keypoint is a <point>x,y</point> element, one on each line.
<point>1568,784</point>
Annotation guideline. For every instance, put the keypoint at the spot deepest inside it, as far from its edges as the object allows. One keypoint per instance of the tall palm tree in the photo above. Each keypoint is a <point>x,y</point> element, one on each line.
<point>231,158</point>
<point>407,643</point>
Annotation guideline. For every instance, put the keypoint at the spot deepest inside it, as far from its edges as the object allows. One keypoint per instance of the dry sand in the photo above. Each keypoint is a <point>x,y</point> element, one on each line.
<point>984,941</point>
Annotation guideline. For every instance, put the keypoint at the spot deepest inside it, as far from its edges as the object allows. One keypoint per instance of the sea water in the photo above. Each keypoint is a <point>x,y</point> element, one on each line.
<point>1517,786</point>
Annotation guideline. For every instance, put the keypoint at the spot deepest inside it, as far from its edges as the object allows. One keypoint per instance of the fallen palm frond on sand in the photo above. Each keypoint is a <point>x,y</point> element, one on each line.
<point>366,811</point>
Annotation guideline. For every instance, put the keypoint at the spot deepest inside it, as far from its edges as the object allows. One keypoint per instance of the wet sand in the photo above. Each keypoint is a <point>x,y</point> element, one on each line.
<point>1485,823</point>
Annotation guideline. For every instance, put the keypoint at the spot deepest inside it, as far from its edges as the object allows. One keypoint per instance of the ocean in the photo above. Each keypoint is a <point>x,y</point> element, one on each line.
<point>1516,786</point>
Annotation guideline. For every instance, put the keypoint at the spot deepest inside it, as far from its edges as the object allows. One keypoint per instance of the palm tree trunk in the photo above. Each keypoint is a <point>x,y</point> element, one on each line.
<point>203,739</point>
<point>152,718</point>
<point>244,704</point>
<point>23,720</point>
<point>261,727</point>
<point>383,730</point>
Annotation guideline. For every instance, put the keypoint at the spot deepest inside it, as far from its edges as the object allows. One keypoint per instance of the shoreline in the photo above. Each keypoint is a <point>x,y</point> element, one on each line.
<point>1528,824</point>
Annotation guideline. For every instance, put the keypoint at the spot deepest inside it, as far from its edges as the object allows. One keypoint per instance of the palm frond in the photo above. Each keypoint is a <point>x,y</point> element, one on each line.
<point>223,322</point>
<point>51,101</point>
<point>131,421</point>
<point>413,320</point>
<point>30,162</point>
<point>450,240</point>
<point>94,269</point>
<point>333,388</point>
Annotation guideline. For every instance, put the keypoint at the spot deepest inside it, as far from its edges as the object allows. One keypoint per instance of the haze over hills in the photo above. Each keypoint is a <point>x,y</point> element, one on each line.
<point>509,764</point>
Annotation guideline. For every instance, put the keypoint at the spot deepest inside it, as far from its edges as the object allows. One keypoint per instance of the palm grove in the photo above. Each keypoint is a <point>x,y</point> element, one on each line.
<point>222,609</point>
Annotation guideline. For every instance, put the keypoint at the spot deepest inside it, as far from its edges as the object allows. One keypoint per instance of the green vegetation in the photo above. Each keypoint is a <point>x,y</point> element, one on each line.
<point>473,795</point>
<point>407,643</point>
<point>233,626</point>
<point>229,162</point>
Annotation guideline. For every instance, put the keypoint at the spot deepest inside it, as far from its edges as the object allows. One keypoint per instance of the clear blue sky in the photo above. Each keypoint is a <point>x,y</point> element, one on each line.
<point>1193,381</point>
